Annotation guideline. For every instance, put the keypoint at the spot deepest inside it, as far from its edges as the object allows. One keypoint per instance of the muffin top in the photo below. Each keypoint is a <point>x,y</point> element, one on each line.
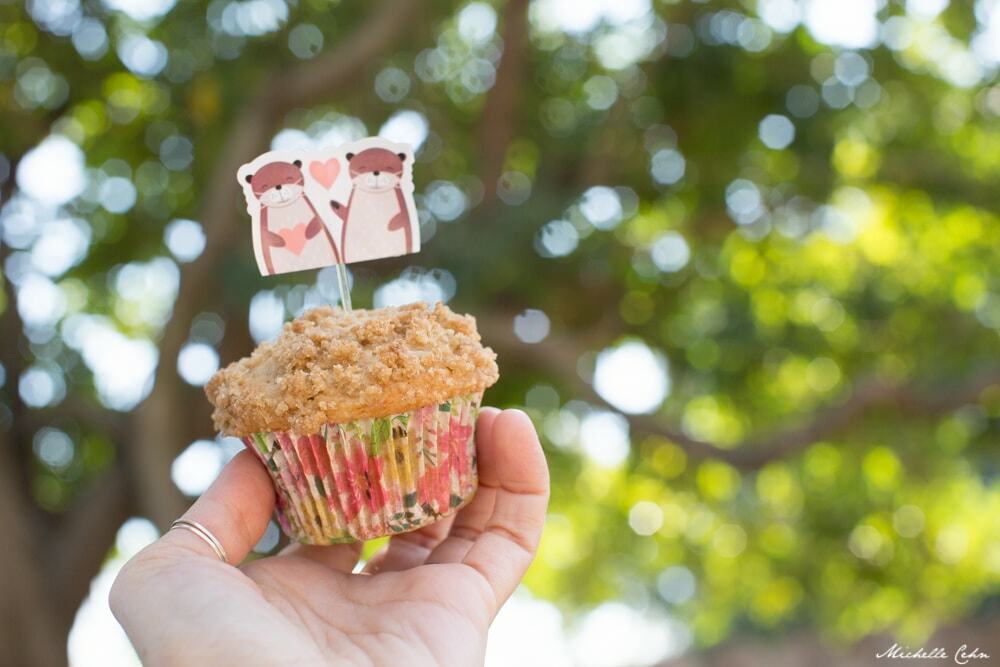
<point>331,366</point>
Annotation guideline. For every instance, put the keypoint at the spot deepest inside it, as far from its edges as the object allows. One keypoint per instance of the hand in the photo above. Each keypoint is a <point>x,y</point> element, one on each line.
<point>427,598</point>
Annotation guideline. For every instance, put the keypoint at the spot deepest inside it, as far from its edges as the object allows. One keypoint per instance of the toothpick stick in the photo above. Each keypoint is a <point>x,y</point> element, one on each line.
<point>345,287</point>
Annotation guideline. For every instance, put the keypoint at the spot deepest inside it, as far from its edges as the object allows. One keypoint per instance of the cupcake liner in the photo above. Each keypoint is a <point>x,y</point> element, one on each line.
<point>367,478</point>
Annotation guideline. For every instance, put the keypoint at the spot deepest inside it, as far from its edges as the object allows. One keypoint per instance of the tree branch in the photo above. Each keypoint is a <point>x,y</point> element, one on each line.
<point>601,163</point>
<point>314,80</point>
<point>559,356</point>
<point>497,124</point>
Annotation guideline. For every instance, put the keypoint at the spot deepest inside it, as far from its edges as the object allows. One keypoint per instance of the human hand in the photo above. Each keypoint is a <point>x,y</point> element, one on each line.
<point>427,598</point>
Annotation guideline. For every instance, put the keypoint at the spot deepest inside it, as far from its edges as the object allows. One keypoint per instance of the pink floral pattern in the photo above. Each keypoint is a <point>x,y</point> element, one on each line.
<point>364,479</point>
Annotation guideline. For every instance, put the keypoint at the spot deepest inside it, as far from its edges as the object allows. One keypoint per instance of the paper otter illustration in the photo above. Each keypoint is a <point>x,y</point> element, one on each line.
<point>292,235</point>
<point>376,217</point>
<point>315,208</point>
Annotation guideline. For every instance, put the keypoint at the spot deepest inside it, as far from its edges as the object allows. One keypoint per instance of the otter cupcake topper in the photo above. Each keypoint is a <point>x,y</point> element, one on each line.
<point>316,208</point>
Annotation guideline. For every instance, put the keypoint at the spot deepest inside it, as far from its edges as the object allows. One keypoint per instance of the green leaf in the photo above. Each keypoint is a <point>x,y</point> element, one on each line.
<point>455,500</point>
<point>430,456</point>
<point>261,443</point>
<point>410,499</point>
<point>445,407</point>
<point>381,432</point>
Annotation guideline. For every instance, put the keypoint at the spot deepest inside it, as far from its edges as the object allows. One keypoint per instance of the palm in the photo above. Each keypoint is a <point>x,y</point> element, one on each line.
<point>420,611</point>
<point>427,599</point>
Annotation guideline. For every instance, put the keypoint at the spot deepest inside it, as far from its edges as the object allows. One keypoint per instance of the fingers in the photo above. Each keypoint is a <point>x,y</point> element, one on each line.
<point>235,509</point>
<point>409,550</point>
<point>498,532</point>
<point>341,557</point>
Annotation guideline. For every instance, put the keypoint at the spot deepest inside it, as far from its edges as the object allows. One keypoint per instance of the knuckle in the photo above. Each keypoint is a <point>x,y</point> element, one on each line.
<point>464,532</point>
<point>120,589</point>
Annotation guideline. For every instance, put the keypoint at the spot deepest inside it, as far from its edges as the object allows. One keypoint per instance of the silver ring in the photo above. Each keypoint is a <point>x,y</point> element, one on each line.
<point>206,536</point>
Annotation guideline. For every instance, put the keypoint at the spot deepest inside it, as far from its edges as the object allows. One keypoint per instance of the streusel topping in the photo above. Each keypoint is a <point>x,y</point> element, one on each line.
<point>330,366</point>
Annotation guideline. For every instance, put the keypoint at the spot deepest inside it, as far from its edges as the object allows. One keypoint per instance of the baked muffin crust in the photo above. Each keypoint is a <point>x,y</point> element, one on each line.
<point>329,366</point>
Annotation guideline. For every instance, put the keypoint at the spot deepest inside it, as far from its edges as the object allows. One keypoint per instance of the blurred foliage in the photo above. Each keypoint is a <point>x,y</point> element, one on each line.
<point>649,194</point>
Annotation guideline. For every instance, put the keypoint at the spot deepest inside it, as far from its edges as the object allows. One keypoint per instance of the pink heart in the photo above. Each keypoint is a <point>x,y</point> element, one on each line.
<point>295,238</point>
<point>325,172</point>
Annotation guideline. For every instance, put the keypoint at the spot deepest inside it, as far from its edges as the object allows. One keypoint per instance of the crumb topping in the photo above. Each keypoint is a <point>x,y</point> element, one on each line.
<point>329,366</point>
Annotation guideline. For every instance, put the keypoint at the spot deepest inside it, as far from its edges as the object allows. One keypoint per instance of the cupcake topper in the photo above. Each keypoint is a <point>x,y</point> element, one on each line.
<point>325,207</point>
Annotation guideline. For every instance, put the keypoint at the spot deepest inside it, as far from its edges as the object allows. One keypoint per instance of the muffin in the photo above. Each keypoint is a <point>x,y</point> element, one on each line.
<point>364,419</point>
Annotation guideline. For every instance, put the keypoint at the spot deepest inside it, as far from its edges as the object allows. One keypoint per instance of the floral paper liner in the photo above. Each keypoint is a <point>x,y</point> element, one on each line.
<point>372,477</point>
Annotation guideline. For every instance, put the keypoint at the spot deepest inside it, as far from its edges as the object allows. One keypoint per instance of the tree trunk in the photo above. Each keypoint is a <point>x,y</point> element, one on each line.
<point>28,631</point>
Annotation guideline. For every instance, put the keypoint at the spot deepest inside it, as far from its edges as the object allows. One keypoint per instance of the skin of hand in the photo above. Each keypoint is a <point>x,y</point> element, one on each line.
<point>427,598</point>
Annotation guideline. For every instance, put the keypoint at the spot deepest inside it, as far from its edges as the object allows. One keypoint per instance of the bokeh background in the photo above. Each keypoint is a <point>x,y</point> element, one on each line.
<point>740,261</point>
